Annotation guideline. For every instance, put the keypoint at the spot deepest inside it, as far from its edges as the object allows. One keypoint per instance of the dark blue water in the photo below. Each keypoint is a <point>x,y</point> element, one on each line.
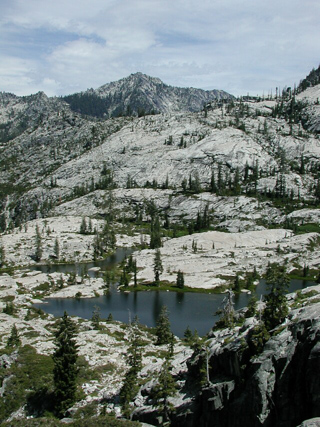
<point>195,310</point>
<point>106,263</point>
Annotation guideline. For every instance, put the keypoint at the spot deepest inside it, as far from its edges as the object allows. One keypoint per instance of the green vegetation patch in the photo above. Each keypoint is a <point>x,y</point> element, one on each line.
<point>308,228</point>
<point>29,376</point>
<point>95,421</point>
<point>167,286</point>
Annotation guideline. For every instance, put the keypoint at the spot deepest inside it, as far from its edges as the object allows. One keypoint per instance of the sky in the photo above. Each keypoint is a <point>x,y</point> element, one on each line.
<point>240,46</point>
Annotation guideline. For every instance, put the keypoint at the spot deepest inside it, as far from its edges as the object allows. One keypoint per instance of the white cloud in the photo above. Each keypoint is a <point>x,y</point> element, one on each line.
<point>239,46</point>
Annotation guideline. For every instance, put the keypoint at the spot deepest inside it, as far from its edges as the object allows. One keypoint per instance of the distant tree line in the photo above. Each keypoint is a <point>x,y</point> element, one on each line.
<point>93,105</point>
<point>312,79</point>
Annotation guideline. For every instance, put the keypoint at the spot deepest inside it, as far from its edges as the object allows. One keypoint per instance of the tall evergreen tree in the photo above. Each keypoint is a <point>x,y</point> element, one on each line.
<point>83,226</point>
<point>57,248</point>
<point>165,388</point>
<point>155,236</point>
<point>134,360</point>
<point>227,312</point>
<point>65,370</point>
<point>180,280</point>
<point>39,250</point>
<point>163,332</point>
<point>212,187</point>
<point>157,267</point>
<point>14,339</point>
<point>2,256</point>
<point>276,308</point>
<point>317,191</point>
<point>96,317</point>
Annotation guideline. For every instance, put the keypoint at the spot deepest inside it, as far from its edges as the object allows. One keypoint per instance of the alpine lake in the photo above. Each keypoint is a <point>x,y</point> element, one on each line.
<point>194,309</point>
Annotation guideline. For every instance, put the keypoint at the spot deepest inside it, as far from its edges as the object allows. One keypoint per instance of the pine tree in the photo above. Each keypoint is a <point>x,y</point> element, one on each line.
<point>135,271</point>
<point>252,307</point>
<point>2,256</point>
<point>180,280</point>
<point>213,187</point>
<point>163,332</point>
<point>57,248</point>
<point>237,285</point>
<point>38,253</point>
<point>165,388</point>
<point>134,360</point>
<point>65,370</point>
<point>188,335</point>
<point>317,191</point>
<point>14,339</point>
<point>96,317</point>
<point>83,226</point>
<point>124,278</point>
<point>227,312</point>
<point>276,308</point>
<point>157,267</point>
<point>155,237</point>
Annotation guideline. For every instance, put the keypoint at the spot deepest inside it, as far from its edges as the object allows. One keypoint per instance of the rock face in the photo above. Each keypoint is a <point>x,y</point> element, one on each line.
<point>278,387</point>
<point>139,94</point>
<point>52,156</point>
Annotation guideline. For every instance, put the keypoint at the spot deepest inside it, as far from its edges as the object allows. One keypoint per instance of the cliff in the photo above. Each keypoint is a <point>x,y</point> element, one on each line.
<point>277,384</point>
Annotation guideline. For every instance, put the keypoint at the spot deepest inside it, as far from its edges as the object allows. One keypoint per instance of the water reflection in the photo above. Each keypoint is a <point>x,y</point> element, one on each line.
<point>156,306</point>
<point>194,309</point>
<point>80,269</point>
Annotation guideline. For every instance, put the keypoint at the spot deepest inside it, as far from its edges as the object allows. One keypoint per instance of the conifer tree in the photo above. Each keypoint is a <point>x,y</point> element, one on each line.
<point>276,308</point>
<point>65,370</point>
<point>134,360</point>
<point>213,187</point>
<point>163,332</point>
<point>155,237</point>
<point>157,267</point>
<point>165,388</point>
<point>135,271</point>
<point>2,256</point>
<point>38,253</point>
<point>57,248</point>
<point>96,317</point>
<point>180,280</point>
<point>14,339</point>
<point>188,335</point>
<point>83,226</point>
<point>237,285</point>
<point>227,312</point>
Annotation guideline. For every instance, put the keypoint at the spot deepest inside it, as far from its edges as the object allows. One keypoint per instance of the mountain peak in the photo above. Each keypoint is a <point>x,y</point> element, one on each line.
<point>141,94</point>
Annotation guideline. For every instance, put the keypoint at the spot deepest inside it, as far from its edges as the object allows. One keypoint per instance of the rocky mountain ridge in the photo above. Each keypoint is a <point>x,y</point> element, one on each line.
<point>234,188</point>
<point>233,149</point>
<point>139,94</point>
